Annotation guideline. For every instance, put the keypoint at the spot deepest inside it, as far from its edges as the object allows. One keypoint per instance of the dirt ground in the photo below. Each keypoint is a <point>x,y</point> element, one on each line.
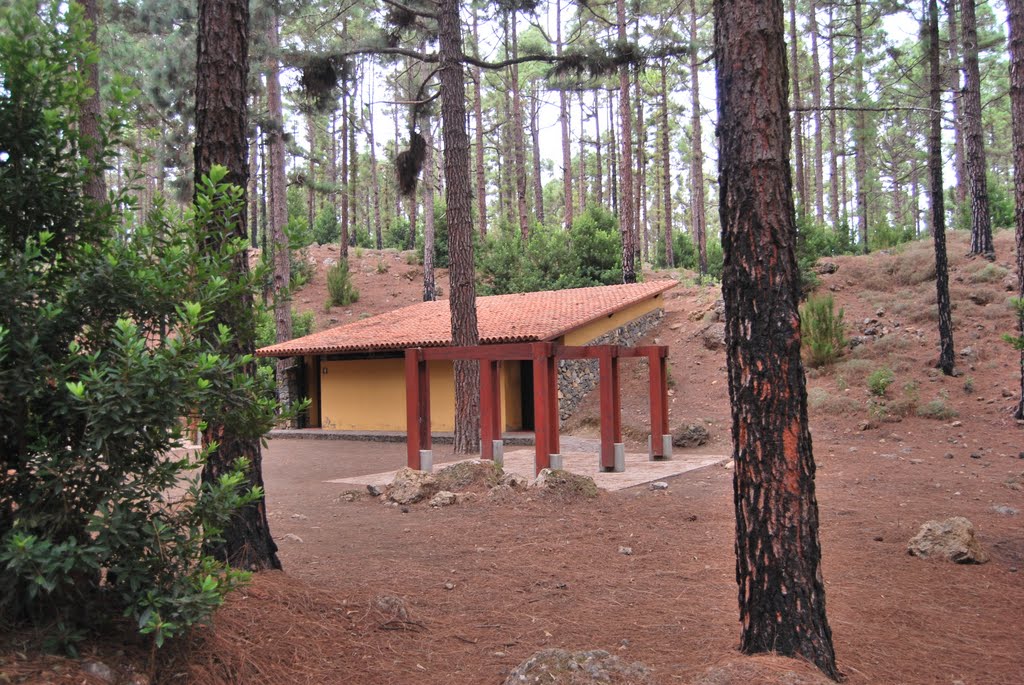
<point>376,594</point>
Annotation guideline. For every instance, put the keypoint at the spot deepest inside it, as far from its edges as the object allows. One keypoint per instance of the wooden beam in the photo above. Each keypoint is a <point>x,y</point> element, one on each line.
<point>490,407</point>
<point>611,419</point>
<point>417,406</point>
<point>541,410</point>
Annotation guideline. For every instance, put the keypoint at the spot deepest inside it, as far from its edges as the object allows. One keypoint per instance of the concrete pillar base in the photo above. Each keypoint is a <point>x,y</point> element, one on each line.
<point>555,461</point>
<point>499,452</point>
<point>427,460</point>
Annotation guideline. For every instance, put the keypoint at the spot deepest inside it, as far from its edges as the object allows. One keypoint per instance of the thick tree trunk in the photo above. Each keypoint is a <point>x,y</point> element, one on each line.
<point>819,172</point>
<point>253,190</point>
<point>778,556</point>
<point>666,171</point>
<point>344,228</point>
<point>938,220</point>
<point>697,202</point>
<point>582,159</point>
<point>860,132</point>
<point>429,283</point>
<point>613,158</point>
<point>643,238</point>
<point>627,227</point>
<point>798,120</point>
<point>95,186</point>
<point>564,119</point>
<point>478,116</point>
<point>981,220</point>
<point>222,69</point>
<point>279,211</point>
<point>1015,12</point>
<point>459,198</point>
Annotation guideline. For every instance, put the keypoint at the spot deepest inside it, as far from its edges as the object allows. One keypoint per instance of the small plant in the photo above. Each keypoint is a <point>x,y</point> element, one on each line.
<point>382,266</point>
<point>822,330</point>
<point>969,385</point>
<point>841,383</point>
<point>988,274</point>
<point>937,409</point>
<point>359,253</point>
<point>880,380</point>
<point>341,291</point>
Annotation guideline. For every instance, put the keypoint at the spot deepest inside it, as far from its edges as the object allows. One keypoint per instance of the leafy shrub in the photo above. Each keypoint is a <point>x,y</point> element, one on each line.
<point>441,258</point>
<point>341,291</point>
<point>989,273</point>
<point>396,234</point>
<point>822,331</point>
<point>684,251</point>
<point>880,380</point>
<point>937,409</point>
<point>107,338</point>
<point>326,228</point>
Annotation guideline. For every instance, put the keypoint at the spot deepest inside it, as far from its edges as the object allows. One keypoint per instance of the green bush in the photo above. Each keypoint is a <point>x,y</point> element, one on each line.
<point>396,234</point>
<point>684,252</point>
<point>880,380</point>
<point>107,340</point>
<point>326,228</point>
<point>341,291</point>
<point>822,331</point>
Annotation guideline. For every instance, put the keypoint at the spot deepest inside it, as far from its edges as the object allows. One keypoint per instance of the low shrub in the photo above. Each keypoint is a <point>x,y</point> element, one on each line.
<point>822,331</point>
<point>340,289</point>
<point>880,380</point>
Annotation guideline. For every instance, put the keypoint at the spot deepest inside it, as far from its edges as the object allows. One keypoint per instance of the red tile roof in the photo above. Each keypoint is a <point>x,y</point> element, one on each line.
<point>523,317</point>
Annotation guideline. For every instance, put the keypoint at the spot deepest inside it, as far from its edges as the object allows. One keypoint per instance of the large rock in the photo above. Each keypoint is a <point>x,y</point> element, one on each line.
<point>564,485</point>
<point>411,486</point>
<point>713,337</point>
<point>951,539</point>
<point>690,435</point>
<point>561,667</point>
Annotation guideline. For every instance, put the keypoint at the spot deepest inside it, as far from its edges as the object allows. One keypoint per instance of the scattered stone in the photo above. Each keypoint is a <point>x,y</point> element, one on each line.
<point>659,485</point>
<point>449,586</point>
<point>865,425</point>
<point>501,493</point>
<point>392,607</point>
<point>472,474</point>
<point>404,509</point>
<point>952,539</point>
<point>1005,510</point>
<point>330,261</point>
<point>515,481</point>
<point>564,484</point>
<point>713,337</point>
<point>675,326</point>
<point>137,679</point>
<point>411,486</point>
<point>1006,392</point>
<point>878,538</point>
<point>948,455</point>
<point>300,517</point>
<point>100,671</point>
<point>562,667</point>
<point>975,455</point>
<point>444,498</point>
<point>292,537</point>
<point>628,551</point>
<point>690,435</point>
<point>826,268</point>
<point>374,490</point>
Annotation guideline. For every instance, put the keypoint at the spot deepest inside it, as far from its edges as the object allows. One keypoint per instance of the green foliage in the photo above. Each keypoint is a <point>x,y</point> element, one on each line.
<point>441,259</point>
<point>551,259</point>
<point>396,234</point>
<point>880,380</point>
<point>326,228</point>
<point>1016,340</point>
<point>822,331</point>
<point>937,409</point>
<point>814,241</point>
<point>885,235</point>
<point>107,339</point>
<point>716,259</point>
<point>341,291</point>
<point>684,252</point>
<point>990,273</point>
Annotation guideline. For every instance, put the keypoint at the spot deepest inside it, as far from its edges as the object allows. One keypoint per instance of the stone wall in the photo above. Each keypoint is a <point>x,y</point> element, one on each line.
<point>577,377</point>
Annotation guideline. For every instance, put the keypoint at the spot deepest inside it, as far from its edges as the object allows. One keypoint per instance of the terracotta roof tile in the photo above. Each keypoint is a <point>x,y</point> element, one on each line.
<point>523,317</point>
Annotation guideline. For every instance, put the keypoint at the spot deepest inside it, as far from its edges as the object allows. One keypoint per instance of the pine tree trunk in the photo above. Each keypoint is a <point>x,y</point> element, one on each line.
<point>613,158</point>
<point>833,128</point>
<point>564,119</point>
<point>311,171</point>
<point>860,133</point>
<point>1015,12</point>
<point>352,187</point>
<point>981,220</point>
<point>798,120</point>
<point>343,231</point>
<point>938,220</point>
<point>278,212</point>
<point>429,283</point>
<point>666,171</point>
<point>697,200</point>
<point>627,228</point>
<point>643,238</point>
<point>460,224</point>
<point>598,144</point>
<point>518,147</point>
<point>95,186</point>
<point>253,190</point>
<point>538,184</point>
<point>778,556</point>
<point>819,171</point>
<point>959,164</point>
<point>375,182</point>
<point>222,69</point>
<point>478,115</point>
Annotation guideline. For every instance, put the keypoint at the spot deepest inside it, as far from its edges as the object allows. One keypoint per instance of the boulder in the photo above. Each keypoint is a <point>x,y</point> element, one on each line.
<point>562,667</point>
<point>444,498</point>
<point>690,435</point>
<point>713,337</point>
<point>564,484</point>
<point>410,486</point>
<point>951,539</point>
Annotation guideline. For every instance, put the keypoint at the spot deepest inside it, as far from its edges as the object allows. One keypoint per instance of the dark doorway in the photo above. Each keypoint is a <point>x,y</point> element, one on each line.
<point>526,398</point>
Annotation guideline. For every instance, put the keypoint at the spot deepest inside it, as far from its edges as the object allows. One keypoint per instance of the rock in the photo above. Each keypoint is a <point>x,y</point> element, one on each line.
<point>675,326</point>
<point>330,261</point>
<point>137,679</point>
<point>880,313</point>
<point>690,435</point>
<point>411,486</point>
<point>514,481</point>
<point>564,484</point>
<point>562,667</point>
<point>374,490</point>
<point>444,498</point>
<point>449,586</point>
<point>292,537</point>
<point>627,551</point>
<point>300,517</point>
<point>100,671</point>
<point>1005,511</point>
<point>501,493</point>
<point>975,455</point>
<point>1010,284</point>
<point>713,337</point>
<point>826,268</point>
<point>762,669</point>
<point>952,539</point>
<point>392,607</point>
<point>659,485</point>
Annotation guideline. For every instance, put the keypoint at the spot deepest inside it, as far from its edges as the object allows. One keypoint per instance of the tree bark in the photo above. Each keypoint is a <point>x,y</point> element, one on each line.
<point>959,168</point>
<point>538,182</point>
<point>344,228</point>
<point>311,171</point>
<point>429,282</point>
<point>798,120</point>
<point>778,556</point>
<point>564,119</point>
<point>833,144</point>
<point>819,172</point>
<point>518,151</point>
<point>352,187</point>
<point>478,114</point>
<point>375,182</point>
<point>643,238</point>
<point>222,69</point>
<point>860,126</point>
<point>666,170</point>
<point>460,224</point>
<point>981,220</point>
<point>1015,12</point>
<point>598,144</point>
<point>95,186</point>
<point>938,220</point>
<point>697,210</point>
<point>627,228</point>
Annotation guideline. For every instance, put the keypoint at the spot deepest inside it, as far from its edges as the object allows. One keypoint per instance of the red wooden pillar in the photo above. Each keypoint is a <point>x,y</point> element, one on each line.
<point>611,414</point>
<point>490,407</point>
<point>417,406</point>
<point>541,401</point>
<point>657,362</point>
<point>554,420</point>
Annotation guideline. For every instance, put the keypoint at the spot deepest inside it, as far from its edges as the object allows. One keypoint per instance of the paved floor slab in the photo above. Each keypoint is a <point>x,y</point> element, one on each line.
<point>639,469</point>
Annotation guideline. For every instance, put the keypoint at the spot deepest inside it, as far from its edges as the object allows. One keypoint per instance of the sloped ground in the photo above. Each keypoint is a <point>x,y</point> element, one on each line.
<point>472,590</point>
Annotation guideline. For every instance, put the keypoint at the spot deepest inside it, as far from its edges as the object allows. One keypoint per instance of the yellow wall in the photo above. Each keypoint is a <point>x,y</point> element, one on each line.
<point>511,392</point>
<point>369,394</point>
<point>595,329</point>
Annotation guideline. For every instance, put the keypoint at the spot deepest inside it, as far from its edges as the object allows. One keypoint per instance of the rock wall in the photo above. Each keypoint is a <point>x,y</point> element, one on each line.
<point>577,377</point>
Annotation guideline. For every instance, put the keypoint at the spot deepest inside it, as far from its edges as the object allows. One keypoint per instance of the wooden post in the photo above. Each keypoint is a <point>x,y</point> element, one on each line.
<point>552,404</point>
<point>611,419</point>
<point>541,400</point>
<point>417,406</point>
<point>490,407</point>
<point>658,365</point>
